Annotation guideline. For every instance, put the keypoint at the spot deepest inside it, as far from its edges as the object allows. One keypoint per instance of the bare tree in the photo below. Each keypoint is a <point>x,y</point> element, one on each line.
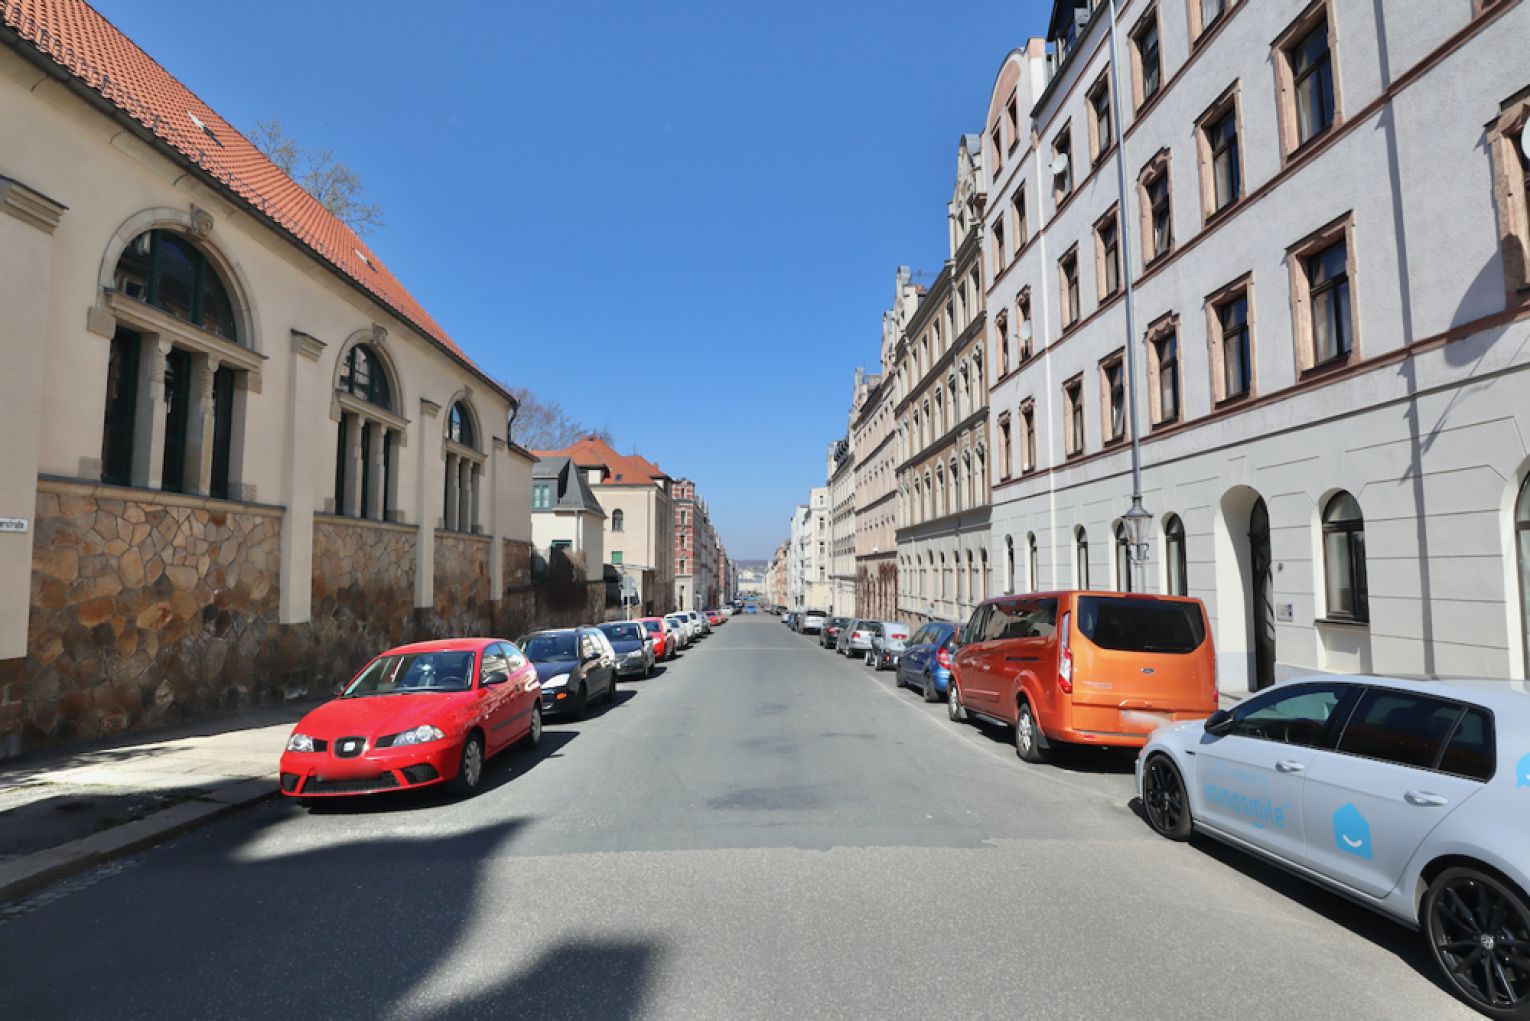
<point>543,424</point>
<point>335,185</point>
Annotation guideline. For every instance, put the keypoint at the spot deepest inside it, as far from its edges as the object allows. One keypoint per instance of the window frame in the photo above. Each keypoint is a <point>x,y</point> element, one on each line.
<point>1063,184</point>
<point>1175,556</point>
<point>1102,128</point>
<point>1355,555</point>
<point>1299,257</point>
<point>1228,105</point>
<point>1022,220</point>
<point>1463,710</point>
<point>1025,345</point>
<point>1071,300</point>
<point>1317,15</point>
<point>1115,362</point>
<point>1511,194</point>
<point>1155,171</point>
<point>1149,23</point>
<point>1074,423</point>
<point>1240,289</point>
<point>1196,19</point>
<point>1161,331</point>
<point>1107,255</point>
<point>1028,460</point>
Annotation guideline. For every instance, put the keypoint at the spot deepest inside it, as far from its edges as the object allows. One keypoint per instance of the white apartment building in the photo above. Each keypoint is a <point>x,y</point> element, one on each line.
<point>1327,223</point>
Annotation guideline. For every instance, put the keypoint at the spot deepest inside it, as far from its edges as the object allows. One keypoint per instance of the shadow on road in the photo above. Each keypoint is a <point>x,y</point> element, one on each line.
<point>1067,757</point>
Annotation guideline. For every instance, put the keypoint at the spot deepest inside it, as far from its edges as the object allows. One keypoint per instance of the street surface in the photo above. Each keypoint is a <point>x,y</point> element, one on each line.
<point>764,830</point>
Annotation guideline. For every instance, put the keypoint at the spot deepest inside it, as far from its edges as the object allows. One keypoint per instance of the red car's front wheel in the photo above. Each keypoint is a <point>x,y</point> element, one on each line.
<point>470,767</point>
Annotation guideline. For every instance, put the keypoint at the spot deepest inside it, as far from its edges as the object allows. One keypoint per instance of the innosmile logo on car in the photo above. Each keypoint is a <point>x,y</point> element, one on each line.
<point>1351,832</point>
<point>1522,771</point>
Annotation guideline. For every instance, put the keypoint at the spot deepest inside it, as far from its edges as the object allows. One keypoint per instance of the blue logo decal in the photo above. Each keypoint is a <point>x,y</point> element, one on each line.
<point>1351,833</point>
<point>1522,772</point>
<point>1261,812</point>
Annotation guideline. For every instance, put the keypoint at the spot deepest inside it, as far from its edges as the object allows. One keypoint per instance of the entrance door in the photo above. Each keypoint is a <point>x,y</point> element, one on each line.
<point>1261,595</point>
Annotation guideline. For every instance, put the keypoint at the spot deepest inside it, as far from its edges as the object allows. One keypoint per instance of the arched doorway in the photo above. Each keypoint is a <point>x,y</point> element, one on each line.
<point>1261,596</point>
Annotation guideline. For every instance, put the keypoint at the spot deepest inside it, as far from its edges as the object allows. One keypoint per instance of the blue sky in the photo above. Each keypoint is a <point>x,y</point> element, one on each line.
<point>678,219</point>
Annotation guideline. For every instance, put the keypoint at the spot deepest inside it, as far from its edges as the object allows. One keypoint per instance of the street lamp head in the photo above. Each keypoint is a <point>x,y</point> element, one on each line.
<point>1136,520</point>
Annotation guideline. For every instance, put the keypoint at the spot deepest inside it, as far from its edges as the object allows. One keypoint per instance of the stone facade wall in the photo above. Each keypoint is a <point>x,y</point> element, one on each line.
<point>363,601</point>
<point>462,591</point>
<point>145,609</point>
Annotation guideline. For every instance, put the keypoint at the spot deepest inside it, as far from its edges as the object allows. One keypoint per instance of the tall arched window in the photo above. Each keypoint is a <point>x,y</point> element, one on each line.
<point>368,437</point>
<point>1081,556</point>
<point>1344,559</point>
<point>1030,561</point>
<point>463,477</point>
<point>1123,558</point>
<point>618,520</point>
<point>1174,556</point>
<point>1009,563</point>
<point>1522,544</point>
<point>172,390</point>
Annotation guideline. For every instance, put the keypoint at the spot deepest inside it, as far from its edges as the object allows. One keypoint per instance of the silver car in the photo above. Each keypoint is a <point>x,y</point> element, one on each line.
<point>887,641</point>
<point>1409,797</point>
<point>855,638</point>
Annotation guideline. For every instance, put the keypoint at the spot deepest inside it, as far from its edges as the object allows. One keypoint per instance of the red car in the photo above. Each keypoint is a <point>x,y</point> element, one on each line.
<point>415,716</point>
<point>665,643</point>
<point>714,618</point>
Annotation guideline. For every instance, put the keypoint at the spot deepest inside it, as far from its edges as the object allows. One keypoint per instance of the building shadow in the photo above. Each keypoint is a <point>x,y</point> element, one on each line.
<point>1067,757</point>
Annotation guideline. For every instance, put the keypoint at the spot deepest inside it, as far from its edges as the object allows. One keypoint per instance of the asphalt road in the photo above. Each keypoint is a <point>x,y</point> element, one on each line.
<point>763,831</point>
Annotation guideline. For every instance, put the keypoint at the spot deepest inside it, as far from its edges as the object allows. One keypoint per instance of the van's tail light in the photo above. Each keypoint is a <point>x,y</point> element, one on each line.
<point>1065,658</point>
<point>943,657</point>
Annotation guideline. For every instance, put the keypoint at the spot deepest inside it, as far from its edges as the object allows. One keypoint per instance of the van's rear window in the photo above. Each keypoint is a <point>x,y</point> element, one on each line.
<point>1141,625</point>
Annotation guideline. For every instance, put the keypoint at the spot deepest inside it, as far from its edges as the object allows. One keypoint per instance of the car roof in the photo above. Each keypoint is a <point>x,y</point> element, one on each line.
<point>555,631</point>
<point>444,645</point>
<point>1492,693</point>
<point>1106,593</point>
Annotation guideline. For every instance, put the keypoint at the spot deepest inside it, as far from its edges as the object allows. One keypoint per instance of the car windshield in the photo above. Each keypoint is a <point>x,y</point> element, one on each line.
<point>653,626</point>
<point>623,632</point>
<point>412,673</point>
<point>552,646</point>
<point>1141,625</point>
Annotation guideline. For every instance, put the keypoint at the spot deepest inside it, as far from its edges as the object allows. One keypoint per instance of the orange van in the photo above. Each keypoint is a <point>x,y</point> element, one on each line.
<point>1102,668</point>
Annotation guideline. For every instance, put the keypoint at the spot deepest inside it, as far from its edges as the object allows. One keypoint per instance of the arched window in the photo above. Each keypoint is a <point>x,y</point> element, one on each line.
<point>367,439</point>
<point>172,395</point>
<point>1522,543</point>
<point>1344,559</point>
<point>1123,558</point>
<point>1174,556</point>
<point>1081,556</point>
<point>1009,563</point>
<point>459,427</point>
<point>618,520</point>
<point>164,269</point>
<point>463,477</point>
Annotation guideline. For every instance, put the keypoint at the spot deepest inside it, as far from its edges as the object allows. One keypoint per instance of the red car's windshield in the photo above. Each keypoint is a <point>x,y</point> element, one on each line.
<point>412,673</point>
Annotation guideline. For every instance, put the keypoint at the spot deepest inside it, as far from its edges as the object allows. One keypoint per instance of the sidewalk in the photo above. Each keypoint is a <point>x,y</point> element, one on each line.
<point>63,812</point>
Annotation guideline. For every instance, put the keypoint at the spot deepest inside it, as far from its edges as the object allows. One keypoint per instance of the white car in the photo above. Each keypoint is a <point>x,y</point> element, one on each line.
<point>703,626</point>
<point>1409,797</point>
<point>683,627</point>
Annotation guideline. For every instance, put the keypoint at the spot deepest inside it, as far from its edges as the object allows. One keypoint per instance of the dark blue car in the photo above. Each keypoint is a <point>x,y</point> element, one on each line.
<point>926,662</point>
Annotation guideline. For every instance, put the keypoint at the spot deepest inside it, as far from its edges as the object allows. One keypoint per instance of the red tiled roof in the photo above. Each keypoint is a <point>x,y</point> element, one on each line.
<point>590,451</point>
<point>75,36</point>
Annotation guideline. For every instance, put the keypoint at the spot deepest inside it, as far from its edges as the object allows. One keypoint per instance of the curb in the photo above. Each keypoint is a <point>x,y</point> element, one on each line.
<point>34,871</point>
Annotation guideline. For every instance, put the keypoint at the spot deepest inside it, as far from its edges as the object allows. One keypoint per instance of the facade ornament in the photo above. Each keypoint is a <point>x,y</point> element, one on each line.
<point>379,334</point>
<point>201,222</point>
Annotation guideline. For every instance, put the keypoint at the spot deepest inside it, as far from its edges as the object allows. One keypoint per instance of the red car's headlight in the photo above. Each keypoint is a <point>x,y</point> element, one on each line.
<point>414,735</point>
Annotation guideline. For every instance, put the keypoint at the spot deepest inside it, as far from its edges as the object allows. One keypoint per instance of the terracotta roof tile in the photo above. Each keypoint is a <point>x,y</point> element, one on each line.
<point>79,39</point>
<point>590,451</point>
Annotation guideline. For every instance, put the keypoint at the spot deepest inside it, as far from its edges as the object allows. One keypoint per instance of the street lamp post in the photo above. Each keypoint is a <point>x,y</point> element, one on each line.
<point>1137,517</point>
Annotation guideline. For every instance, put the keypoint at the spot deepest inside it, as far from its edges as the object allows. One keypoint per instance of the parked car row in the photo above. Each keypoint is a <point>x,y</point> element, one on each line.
<point>434,712</point>
<point>1406,796</point>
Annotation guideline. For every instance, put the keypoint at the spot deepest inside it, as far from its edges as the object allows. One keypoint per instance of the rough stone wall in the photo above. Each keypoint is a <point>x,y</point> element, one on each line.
<point>363,601</point>
<point>461,601</point>
<point>143,612</point>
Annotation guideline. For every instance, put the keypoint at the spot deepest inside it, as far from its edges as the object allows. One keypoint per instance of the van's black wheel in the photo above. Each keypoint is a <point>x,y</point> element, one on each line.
<point>1479,931</point>
<point>1165,799</point>
<point>1028,736</point>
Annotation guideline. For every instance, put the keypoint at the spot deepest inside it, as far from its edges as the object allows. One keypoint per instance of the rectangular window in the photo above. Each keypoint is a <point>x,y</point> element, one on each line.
<point>1012,116</point>
<point>1157,208</point>
<point>998,150</point>
<point>541,496</point>
<point>1001,340</point>
<point>1025,330</point>
<point>1108,255</point>
<point>999,251</point>
<point>1028,436</point>
<point>1237,356</point>
<point>1147,62</point>
<point>1101,127</point>
<point>1113,397</point>
<point>1062,165</point>
<point>122,409</point>
<point>616,556</point>
<point>1022,225</point>
<point>1073,402</point>
<point>1204,14</point>
<point>1163,370</point>
<point>1327,274</point>
<point>1306,79</point>
<point>1006,467</point>
<point>1226,175</point>
<point>1068,271</point>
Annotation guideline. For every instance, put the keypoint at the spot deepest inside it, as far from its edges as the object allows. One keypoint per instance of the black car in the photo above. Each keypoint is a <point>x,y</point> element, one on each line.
<point>830,632</point>
<point>633,645</point>
<point>573,666</point>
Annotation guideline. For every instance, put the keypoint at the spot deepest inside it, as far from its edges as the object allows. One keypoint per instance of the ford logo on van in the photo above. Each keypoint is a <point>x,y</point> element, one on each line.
<point>1147,669</point>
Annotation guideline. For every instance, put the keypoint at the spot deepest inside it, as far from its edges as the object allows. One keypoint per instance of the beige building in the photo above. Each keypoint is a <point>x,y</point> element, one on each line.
<point>940,390</point>
<point>841,476</point>
<point>241,459</point>
<point>875,468</point>
<point>1327,224</point>
<point>639,529</point>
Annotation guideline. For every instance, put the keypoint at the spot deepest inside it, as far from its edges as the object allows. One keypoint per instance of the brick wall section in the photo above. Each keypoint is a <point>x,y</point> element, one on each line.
<point>142,613</point>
